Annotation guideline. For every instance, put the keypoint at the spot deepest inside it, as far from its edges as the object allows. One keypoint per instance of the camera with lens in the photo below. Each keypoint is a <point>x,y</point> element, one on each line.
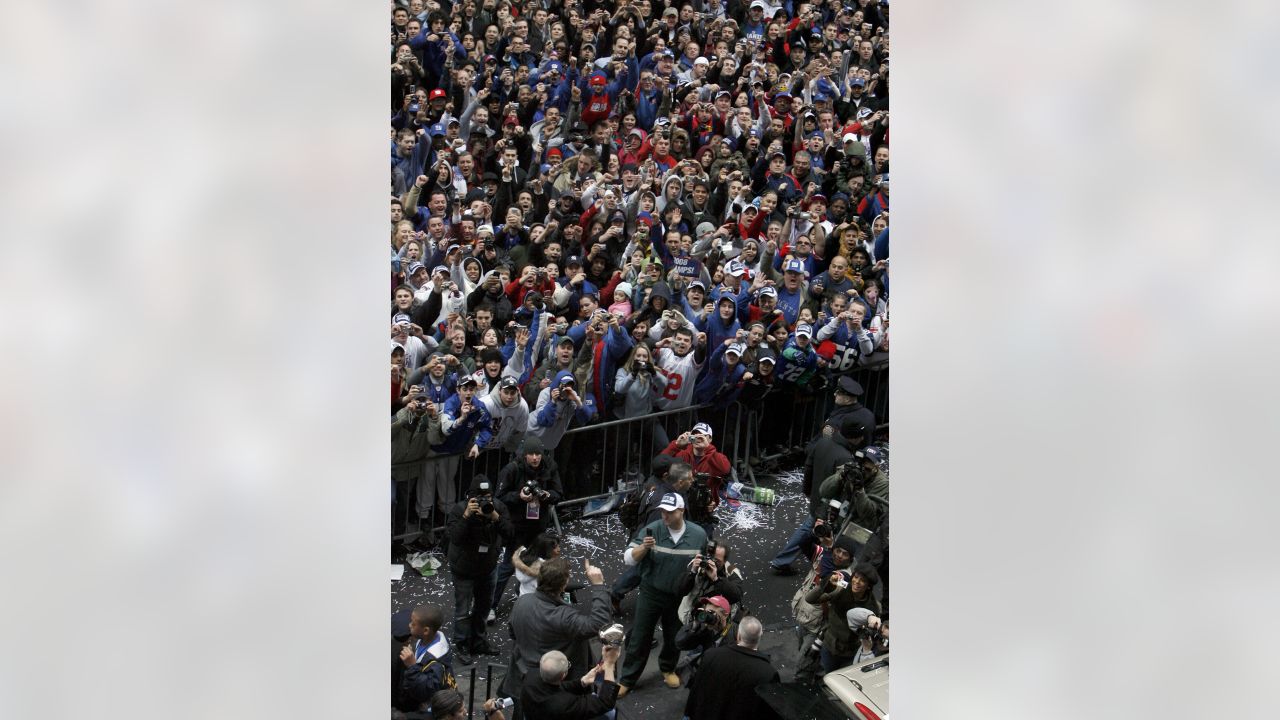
<point>485,497</point>
<point>487,241</point>
<point>708,557</point>
<point>853,475</point>
<point>835,510</point>
<point>705,616</point>
<point>534,489</point>
<point>815,648</point>
<point>866,632</point>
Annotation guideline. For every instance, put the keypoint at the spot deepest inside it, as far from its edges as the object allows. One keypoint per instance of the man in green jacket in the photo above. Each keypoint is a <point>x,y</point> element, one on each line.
<point>662,551</point>
<point>856,487</point>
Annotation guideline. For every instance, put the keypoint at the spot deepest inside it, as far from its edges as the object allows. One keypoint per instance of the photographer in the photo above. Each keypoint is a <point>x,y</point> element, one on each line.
<point>709,626</point>
<point>694,447</point>
<point>546,695</point>
<point>839,593</point>
<point>825,454</point>
<point>529,485</point>
<point>478,526</point>
<point>853,482</point>
<point>558,405</point>
<point>711,573</point>
<point>871,631</point>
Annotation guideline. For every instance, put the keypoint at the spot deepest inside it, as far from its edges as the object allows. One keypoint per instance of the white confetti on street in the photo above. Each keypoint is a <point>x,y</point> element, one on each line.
<point>790,478</point>
<point>748,516</point>
<point>578,541</point>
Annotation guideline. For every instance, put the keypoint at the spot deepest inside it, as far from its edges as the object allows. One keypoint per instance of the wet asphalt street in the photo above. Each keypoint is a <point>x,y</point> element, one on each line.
<point>755,533</point>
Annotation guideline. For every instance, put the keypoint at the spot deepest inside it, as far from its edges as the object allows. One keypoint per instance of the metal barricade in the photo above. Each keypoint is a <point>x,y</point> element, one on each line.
<point>592,458</point>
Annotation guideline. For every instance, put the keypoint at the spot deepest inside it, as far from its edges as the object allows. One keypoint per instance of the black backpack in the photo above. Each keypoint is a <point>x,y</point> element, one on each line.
<point>629,510</point>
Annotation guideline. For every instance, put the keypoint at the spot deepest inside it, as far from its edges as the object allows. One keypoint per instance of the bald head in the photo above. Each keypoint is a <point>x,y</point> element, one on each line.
<point>749,632</point>
<point>554,665</point>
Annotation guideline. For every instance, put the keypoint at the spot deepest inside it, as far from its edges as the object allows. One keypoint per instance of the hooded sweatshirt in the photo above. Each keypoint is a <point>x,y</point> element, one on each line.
<point>507,425</point>
<point>719,383</point>
<point>550,419</point>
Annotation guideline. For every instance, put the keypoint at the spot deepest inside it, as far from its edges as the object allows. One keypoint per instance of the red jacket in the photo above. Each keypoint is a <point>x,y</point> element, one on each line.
<point>713,462</point>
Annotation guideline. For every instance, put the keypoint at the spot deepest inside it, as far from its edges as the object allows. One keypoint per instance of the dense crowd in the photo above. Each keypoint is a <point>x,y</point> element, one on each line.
<point>602,211</point>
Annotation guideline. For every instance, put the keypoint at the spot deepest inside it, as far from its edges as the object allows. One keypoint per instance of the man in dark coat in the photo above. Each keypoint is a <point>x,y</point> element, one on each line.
<point>546,695</point>
<point>531,512</point>
<point>477,527</point>
<point>825,454</point>
<point>542,621</point>
<point>725,686</point>
<point>847,393</point>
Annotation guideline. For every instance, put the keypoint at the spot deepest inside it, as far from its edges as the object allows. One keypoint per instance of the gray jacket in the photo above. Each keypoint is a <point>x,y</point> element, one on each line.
<point>540,623</point>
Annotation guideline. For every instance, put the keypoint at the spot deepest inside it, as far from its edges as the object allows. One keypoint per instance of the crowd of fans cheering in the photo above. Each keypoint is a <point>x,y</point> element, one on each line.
<point>604,210</point>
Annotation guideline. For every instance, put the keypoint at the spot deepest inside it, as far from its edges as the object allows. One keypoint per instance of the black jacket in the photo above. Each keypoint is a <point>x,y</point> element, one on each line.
<point>540,700</point>
<point>725,686</point>
<point>512,478</point>
<point>856,410</point>
<point>824,456</point>
<point>468,535</point>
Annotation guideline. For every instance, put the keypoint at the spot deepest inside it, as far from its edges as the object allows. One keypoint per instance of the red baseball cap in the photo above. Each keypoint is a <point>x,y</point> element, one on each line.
<point>719,601</point>
<point>437,93</point>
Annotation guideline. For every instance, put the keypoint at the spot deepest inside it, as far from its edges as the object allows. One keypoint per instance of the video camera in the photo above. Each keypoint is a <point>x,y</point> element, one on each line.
<point>699,497</point>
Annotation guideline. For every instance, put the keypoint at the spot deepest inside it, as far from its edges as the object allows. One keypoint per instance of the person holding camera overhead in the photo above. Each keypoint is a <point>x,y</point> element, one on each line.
<point>662,550</point>
<point>477,526</point>
<point>839,593</point>
<point>529,486</point>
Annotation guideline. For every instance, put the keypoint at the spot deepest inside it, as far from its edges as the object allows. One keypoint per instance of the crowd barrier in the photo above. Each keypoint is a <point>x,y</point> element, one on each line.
<point>592,458</point>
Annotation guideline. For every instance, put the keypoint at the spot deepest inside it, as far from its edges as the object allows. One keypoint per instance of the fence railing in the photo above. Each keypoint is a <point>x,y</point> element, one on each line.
<point>592,458</point>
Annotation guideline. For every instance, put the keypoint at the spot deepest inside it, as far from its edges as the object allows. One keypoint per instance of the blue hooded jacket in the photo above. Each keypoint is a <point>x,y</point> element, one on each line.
<point>471,430</point>
<point>718,384</point>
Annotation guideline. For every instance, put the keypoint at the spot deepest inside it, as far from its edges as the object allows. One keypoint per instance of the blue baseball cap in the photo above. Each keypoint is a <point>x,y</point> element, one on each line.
<point>437,130</point>
<point>793,265</point>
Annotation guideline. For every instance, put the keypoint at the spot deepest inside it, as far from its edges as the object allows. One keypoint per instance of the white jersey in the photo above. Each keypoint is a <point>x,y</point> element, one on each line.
<point>681,374</point>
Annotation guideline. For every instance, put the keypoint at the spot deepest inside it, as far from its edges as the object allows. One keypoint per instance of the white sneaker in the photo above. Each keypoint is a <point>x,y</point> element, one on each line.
<point>493,616</point>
